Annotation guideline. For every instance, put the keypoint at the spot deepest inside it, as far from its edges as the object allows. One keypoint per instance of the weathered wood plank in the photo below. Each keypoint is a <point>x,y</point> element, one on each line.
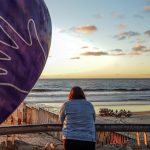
<point>58,127</point>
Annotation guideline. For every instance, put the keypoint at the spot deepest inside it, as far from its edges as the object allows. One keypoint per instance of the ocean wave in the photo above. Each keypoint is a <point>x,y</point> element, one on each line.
<point>122,100</point>
<point>118,90</point>
<point>92,90</point>
<point>47,95</point>
<point>57,100</point>
<point>46,90</point>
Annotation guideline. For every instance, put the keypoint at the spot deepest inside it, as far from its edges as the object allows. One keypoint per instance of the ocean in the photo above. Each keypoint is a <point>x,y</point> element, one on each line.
<point>128,94</point>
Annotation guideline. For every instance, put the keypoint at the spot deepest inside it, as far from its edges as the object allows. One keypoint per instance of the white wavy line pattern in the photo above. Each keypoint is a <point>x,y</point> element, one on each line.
<point>15,87</point>
<point>16,47</point>
<point>4,71</point>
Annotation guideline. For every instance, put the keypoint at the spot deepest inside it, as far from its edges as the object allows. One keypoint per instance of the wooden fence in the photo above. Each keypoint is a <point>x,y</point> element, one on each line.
<point>32,119</point>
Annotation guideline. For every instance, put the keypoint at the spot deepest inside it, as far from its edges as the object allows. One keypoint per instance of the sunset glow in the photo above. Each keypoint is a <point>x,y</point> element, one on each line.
<point>99,39</point>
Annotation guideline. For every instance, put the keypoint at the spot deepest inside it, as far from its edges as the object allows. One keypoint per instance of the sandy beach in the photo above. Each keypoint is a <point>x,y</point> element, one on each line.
<point>136,118</point>
<point>35,141</point>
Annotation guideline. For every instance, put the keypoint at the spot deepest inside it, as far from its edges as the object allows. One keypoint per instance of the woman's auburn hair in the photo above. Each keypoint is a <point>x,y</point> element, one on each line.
<point>76,93</point>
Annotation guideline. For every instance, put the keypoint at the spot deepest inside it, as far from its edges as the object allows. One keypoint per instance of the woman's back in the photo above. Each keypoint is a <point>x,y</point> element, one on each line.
<point>78,120</point>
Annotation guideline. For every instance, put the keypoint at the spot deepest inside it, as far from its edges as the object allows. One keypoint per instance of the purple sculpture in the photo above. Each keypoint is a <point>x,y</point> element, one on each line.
<point>25,37</point>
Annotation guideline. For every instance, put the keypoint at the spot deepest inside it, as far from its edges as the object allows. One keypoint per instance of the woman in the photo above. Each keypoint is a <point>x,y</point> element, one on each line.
<point>78,118</point>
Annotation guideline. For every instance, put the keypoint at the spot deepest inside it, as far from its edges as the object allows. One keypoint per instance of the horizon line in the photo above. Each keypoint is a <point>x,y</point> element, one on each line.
<point>42,78</point>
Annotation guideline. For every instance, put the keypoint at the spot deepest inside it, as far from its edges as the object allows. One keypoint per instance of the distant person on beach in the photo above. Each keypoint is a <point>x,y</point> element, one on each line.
<point>78,118</point>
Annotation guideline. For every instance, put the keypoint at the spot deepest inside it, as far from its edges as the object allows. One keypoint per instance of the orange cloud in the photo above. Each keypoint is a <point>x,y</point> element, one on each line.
<point>147,32</point>
<point>139,49</point>
<point>85,29</point>
<point>147,8</point>
<point>98,53</point>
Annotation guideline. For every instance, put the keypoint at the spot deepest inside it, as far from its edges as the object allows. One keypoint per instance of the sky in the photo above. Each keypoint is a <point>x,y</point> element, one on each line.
<point>99,39</point>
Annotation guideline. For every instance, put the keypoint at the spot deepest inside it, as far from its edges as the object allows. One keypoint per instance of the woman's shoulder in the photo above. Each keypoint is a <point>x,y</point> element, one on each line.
<point>84,101</point>
<point>67,103</point>
<point>88,102</point>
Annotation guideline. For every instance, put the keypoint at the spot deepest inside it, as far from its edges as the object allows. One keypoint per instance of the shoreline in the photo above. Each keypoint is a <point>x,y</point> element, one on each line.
<point>55,107</point>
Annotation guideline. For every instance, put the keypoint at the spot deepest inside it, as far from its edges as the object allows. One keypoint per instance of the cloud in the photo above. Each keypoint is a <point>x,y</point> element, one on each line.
<point>84,47</point>
<point>122,26</point>
<point>139,49</point>
<point>117,52</point>
<point>85,29</point>
<point>147,8</point>
<point>147,32</point>
<point>73,58</point>
<point>98,53</point>
<point>117,15</point>
<point>125,35</point>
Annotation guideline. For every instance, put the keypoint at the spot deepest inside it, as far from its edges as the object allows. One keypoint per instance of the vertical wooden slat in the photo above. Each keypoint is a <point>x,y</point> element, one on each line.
<point>138,138</point>
<point>13,139</point>
<point>6,141</point>
<point>145,138</point>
